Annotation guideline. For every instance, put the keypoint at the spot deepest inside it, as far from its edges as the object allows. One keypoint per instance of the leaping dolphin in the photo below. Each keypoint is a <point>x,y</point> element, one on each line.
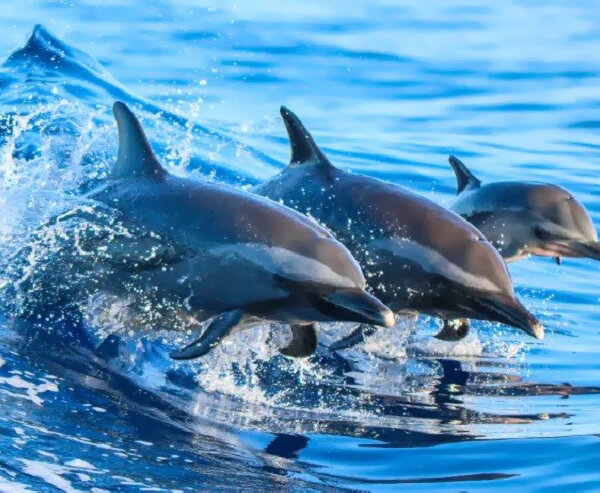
<point>416,255</point>
<point>216,251</point>
<point>525,218</point>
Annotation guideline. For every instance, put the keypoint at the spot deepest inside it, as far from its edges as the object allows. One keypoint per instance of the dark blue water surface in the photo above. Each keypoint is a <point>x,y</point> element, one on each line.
<point>389,88</point>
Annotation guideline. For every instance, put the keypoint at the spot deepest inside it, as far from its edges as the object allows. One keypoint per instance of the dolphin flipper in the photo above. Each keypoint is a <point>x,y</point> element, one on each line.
<point>220,327</point>
<point>454,330</point>
<point>304,341</point>
<point>357,336</point>
<point>464,178</point>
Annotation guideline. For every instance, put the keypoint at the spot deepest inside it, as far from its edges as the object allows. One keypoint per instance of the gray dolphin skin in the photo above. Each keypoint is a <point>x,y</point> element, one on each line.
<point>215,251</point>
<point>525,218</point>
<point>417,256</point>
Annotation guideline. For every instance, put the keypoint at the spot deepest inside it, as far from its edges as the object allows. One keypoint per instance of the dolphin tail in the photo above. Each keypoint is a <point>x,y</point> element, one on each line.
<point>304,148</point>
<point>304,341</point>
<point>454,330</point>
<point>355,337</point>
<point>135,157</point>
<point>220,327</point>
<point>464,178</point>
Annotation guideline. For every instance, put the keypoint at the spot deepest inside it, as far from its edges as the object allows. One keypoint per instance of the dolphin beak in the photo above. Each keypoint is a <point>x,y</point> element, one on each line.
<point>589,249</point>
<point>356,305</point>
<point>511,311</point>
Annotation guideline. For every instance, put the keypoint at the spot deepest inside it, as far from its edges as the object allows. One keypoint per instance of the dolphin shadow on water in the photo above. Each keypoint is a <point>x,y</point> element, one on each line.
<point>417,256</point>
<point>183,251</point>
<point>440,414</point>
<point>287,446</point>
<point>436,414</point>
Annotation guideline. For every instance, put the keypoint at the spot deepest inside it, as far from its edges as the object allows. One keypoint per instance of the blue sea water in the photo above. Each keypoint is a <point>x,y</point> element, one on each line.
<point>389,89</point>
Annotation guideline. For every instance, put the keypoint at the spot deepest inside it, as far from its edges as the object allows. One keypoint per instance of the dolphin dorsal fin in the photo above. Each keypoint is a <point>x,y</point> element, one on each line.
<point>135,157</point>
<point>464,178</point>
<point>304,148</point>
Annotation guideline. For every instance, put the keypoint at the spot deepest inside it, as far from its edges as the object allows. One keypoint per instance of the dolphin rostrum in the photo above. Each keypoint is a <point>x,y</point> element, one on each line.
<point>525,218</point>
<point>213,251</point>
<point>417,256</point>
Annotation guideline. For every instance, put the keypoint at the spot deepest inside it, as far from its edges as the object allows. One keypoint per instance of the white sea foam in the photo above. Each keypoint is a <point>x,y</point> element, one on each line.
<point>16,382</point>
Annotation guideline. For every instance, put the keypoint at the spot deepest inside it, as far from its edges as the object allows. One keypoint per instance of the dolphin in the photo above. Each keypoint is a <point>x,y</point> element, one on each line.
<point>216,252</point>
<point>523,218</point>
<point>416,255</point>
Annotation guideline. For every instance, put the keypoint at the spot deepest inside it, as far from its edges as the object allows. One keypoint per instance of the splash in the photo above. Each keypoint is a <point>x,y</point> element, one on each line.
<point>58,141</point>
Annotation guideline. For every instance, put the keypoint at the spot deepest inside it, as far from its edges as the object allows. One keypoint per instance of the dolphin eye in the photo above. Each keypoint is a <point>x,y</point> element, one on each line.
<point>540,233</point>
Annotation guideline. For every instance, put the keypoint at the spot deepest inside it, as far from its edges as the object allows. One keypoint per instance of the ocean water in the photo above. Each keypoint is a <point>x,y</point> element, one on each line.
<point>389,89</point>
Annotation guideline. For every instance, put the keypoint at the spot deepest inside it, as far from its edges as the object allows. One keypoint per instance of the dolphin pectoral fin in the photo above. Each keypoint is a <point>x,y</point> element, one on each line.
<point>219,328</point>
<point>304,341</point>
<point>454,330</point>
<point>464,178</point>
<point>357,336</point>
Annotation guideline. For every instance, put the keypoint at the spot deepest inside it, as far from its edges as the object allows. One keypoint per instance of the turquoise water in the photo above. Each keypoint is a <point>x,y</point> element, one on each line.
<point>388,89</point>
